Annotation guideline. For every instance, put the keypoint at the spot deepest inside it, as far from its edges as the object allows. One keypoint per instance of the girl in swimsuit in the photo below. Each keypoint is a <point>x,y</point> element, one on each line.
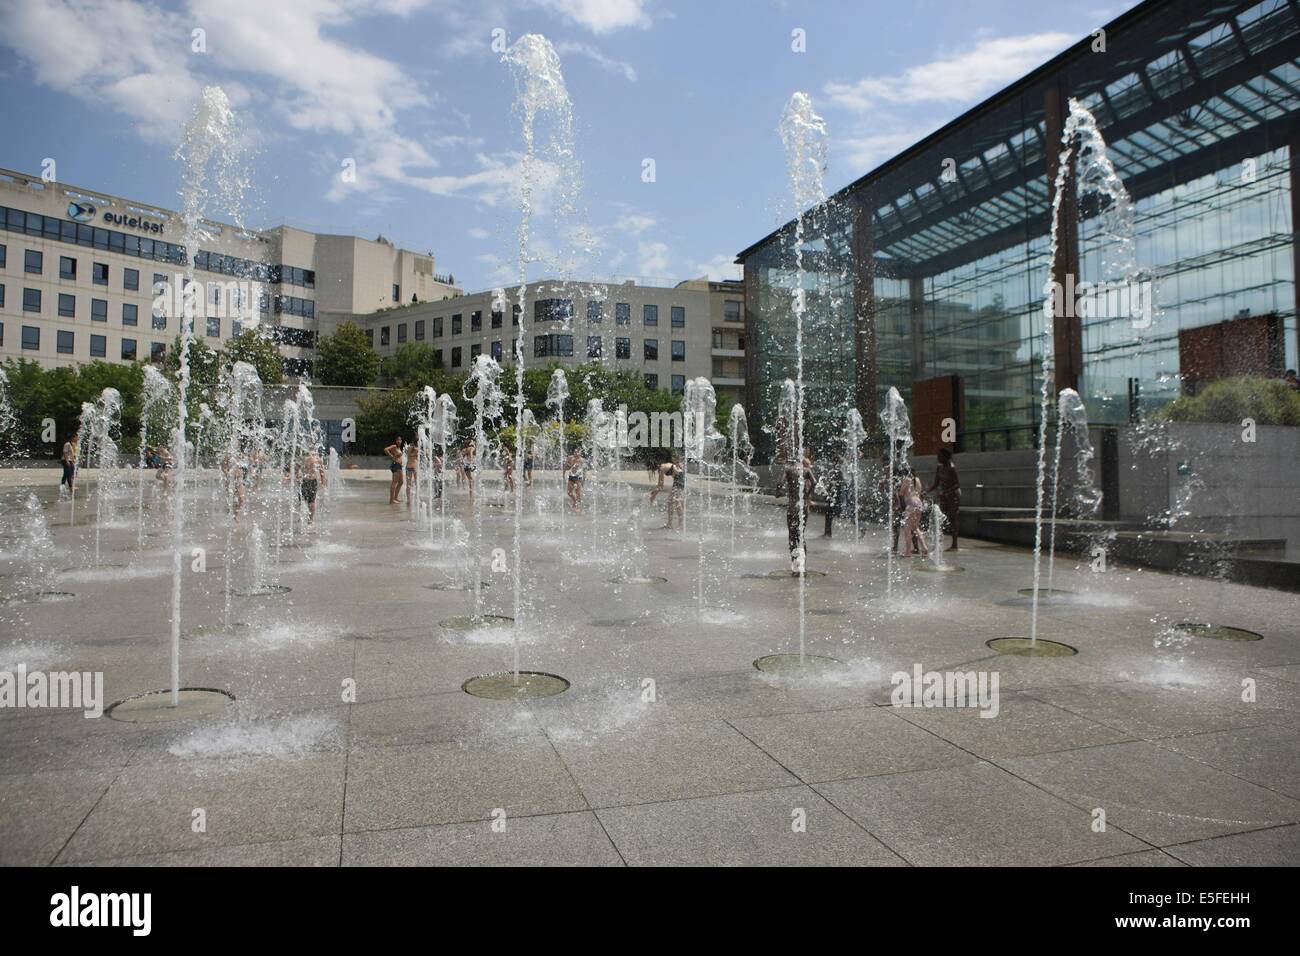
<point>396,452</point>
<point>469,464</point>
<point>507,469</point>
<point>574,470</point>
<point>909,489</point>
<point>528,465</point>
<point>412,457</point>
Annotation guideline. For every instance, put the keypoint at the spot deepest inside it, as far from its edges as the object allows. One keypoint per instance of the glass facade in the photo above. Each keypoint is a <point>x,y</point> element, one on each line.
<point>936,263</point>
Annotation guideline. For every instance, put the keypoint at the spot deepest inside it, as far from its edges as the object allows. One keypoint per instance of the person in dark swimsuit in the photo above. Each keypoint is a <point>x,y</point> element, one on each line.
<point>949,485</point>
<point>573,469</point>
<point>312,475</point>
<point>795,522</point>
<point>396,452</point>
<point>672,469</point>
<point>528,465</point>
<point>469,465</point>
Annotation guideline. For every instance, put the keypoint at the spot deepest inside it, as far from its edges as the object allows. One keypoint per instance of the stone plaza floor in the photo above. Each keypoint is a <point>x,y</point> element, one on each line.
<point>669,747</point>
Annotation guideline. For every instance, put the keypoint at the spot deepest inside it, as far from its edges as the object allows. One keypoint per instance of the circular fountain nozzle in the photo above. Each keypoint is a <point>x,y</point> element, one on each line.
<point>1023,647</point>
<point>511,686</point>
<point>156,707</point>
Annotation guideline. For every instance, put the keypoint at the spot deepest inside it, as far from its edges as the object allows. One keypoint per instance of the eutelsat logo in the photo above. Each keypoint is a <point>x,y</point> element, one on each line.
<point>81,212</point>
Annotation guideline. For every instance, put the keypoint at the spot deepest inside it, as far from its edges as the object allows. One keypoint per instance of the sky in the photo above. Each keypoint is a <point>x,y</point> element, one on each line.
<point>414,97</point>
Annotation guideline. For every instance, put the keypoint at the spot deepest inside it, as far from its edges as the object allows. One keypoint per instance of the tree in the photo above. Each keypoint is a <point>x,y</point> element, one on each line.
<point>413,365</point>
<point>346,358</point>
<point>1268,401</point>
<point>203,361</point>
<point>258,351</point>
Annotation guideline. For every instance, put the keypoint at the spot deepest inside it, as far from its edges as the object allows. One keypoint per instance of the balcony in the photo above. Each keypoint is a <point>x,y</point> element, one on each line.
<point>719,352</point>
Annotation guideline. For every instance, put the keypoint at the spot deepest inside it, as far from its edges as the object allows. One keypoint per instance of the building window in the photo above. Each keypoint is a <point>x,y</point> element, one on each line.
<point>401,332</point>
<point>457,323</point>
<point>558,346</point>
<point>679,384</point>
<point>397,292</point>
<point>130,313</point>
<point>437,327</point>
<point>99,273</point>
<point>159,320</point>
<point>678,313</point>
<point>157,351</point>
<point>67,267</point>
<point>455,357</point>
<point>731,311</point>
<point>650,314</point>
<point>595,311</point>
<point>679,350</point>
<point>4,257</point>
<point>236,328</point>
<point>67,305</point>
<point>370,337</point>
<point>593,346</point>
<point>99,310</point>
<point>622,313</point>
<point>214,327</point>
<point>475,351</point>
<point>419,330</point>
<point>98,346</point>
<point>476,320</point>
<point>497,316</point>
<point>496,350</point>
<point>128,350</point>
<point>622,348</point>
<point>2,295</point>
<point>131,280</point>
<point>64,342</point>
<point>552,310</point>
<point>650,350</point>
<point>437,358</point>
<point>31,338</point>
<point>34,261</point>
<point>514,314</point>
<point>31,300</point>
<point>383,335</point>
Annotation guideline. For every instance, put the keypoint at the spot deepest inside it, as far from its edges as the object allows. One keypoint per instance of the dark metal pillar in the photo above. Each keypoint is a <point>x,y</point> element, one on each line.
<point>1067,329</point>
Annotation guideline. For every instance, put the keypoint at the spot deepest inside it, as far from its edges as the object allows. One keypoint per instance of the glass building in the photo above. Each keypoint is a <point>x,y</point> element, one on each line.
<point>929,273</point>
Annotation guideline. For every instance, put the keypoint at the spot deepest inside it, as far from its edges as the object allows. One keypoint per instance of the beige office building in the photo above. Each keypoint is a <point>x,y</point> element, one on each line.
<point>670,334</point>
<point>86,276</point>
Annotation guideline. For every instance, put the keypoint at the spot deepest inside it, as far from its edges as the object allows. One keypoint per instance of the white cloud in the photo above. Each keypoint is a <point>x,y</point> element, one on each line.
<point>990,64</point>
<point>600,16</point>
<point>721,266</point>
<point>478,232</point>
<point>626,70</point>
<point>131,57</point>
<point>634,224</point>
<point>652,258</point>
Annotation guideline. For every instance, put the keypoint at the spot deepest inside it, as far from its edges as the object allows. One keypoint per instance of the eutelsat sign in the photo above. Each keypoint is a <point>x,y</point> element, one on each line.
<point>132,222</point>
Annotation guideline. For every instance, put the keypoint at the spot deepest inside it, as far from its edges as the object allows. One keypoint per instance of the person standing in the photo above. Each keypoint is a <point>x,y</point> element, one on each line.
<point>412,461</point>
<point>507,469</point>
<point>529,453</point>
<point>396,453</point>
<point>574,471</point>
<point>673,470</point>
<point>949,485</point>
<point>796,520</point>
<point>312,475</point>
<point>909,489</point>
<point>71,449</point>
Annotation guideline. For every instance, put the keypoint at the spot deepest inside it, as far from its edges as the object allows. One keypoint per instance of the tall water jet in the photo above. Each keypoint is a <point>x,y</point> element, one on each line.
<point>484,377</point>
<point>240,401</point>
<point>211,155</point>
<point>154,398</point>
<point>105,417</point>
<point>539,91</point>
<point>742,452</point>
<point>1097,176</point>
<point>699,408</point>
<point>9,442</point>
<point>557,393</point>
<point>1072,422</point>
<point>855,433</point>
<point>898,432</point>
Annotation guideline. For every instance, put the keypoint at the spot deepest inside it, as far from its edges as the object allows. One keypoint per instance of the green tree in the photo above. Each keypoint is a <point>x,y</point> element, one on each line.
<point>346,358</point>
<point>203,362</point>
<point>413,365</point>
<point>259,351</point>
<point>1268,401</point>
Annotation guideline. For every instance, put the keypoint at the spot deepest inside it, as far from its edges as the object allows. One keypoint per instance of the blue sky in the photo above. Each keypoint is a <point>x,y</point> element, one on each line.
<point>414,93</point>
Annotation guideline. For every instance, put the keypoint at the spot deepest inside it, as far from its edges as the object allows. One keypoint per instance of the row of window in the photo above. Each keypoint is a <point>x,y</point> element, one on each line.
<point>679,382</point>
<point>561,310</point>
<point>128,244</point>
<point>65,341</point>
<point>550,346</point>
<point>34,264</point>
